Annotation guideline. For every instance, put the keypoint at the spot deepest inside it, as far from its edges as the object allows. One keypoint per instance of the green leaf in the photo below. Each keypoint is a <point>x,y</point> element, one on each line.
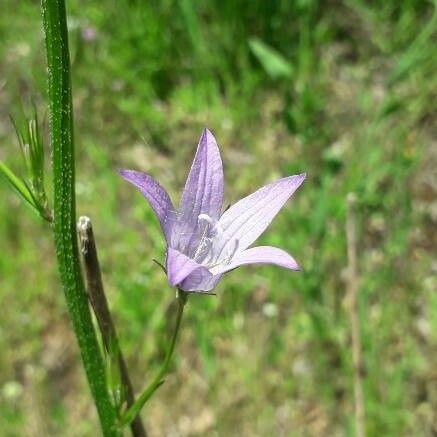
<point>273,62</point>
<point>20,186</point>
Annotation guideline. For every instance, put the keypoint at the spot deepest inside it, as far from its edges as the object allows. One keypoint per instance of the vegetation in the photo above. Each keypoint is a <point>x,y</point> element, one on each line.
<point>343,91</point>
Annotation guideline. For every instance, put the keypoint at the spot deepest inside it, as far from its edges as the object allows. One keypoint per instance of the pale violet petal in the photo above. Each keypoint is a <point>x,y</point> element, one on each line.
<point>202,194</point>
<point>258,255</point>
<point>178,266</point>
<point>200,280</point>
<point>155,194</point>
<point>246,220</point>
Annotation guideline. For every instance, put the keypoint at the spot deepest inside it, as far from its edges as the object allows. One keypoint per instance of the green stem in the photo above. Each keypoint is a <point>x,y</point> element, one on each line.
<point>61,135</point>
<point>158,381</point>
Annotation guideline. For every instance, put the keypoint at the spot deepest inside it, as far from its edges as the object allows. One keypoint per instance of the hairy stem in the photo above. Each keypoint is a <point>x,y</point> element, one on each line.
<point>61,136</point>
<point>96,294</point>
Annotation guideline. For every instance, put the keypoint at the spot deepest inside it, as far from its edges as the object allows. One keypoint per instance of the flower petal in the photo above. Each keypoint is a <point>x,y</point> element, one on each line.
<point>203,192</point>
<point>155,194</point>
<point>200,280</point>
<point>178,266</point>
<point>188,275</point>
<point>245,221</point>
<point>259,255</point>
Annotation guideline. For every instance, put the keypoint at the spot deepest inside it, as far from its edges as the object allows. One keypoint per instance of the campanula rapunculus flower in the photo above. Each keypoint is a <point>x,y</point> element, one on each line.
<point>202,242</point>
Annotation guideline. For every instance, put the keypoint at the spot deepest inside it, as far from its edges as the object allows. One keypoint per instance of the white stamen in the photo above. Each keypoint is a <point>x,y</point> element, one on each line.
<point>206,218</point>
<point>204,241</point>
<point>208,230</point>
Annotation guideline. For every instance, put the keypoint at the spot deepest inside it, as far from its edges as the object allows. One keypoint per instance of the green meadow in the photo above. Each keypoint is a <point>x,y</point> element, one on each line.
<point>343,90</point>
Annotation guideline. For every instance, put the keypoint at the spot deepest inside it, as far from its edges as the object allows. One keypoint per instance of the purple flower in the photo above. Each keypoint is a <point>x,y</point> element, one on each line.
<point>202,242</point>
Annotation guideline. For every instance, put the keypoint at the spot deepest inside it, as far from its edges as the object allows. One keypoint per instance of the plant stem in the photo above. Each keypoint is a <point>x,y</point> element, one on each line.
<point>352,297</point>
<point>158,381</point>
<point>96,294</point>
<point>61,136</point>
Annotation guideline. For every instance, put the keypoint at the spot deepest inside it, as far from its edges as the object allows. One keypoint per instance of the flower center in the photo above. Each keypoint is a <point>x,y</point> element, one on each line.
<point>206,232</point>
<point>209,232</point>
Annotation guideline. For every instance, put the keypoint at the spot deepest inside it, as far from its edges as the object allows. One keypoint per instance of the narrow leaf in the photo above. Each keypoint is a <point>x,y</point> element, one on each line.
<point>21,187</point>
<point>273,62</point>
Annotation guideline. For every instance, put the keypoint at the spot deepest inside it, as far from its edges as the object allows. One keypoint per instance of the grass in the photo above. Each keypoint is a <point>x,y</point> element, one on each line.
<point>271,353</point>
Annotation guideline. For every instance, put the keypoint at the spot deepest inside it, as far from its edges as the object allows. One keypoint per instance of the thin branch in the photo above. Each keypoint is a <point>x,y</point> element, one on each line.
<point>352,295</point>
<point>101,310</point>
<point>181,298</point>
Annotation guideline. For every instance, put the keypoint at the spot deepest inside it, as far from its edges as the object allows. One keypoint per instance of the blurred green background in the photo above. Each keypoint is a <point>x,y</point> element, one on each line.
<point>344,90</point>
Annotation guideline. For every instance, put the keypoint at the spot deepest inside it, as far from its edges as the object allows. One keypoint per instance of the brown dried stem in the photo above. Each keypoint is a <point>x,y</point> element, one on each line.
<point>100,307</point>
